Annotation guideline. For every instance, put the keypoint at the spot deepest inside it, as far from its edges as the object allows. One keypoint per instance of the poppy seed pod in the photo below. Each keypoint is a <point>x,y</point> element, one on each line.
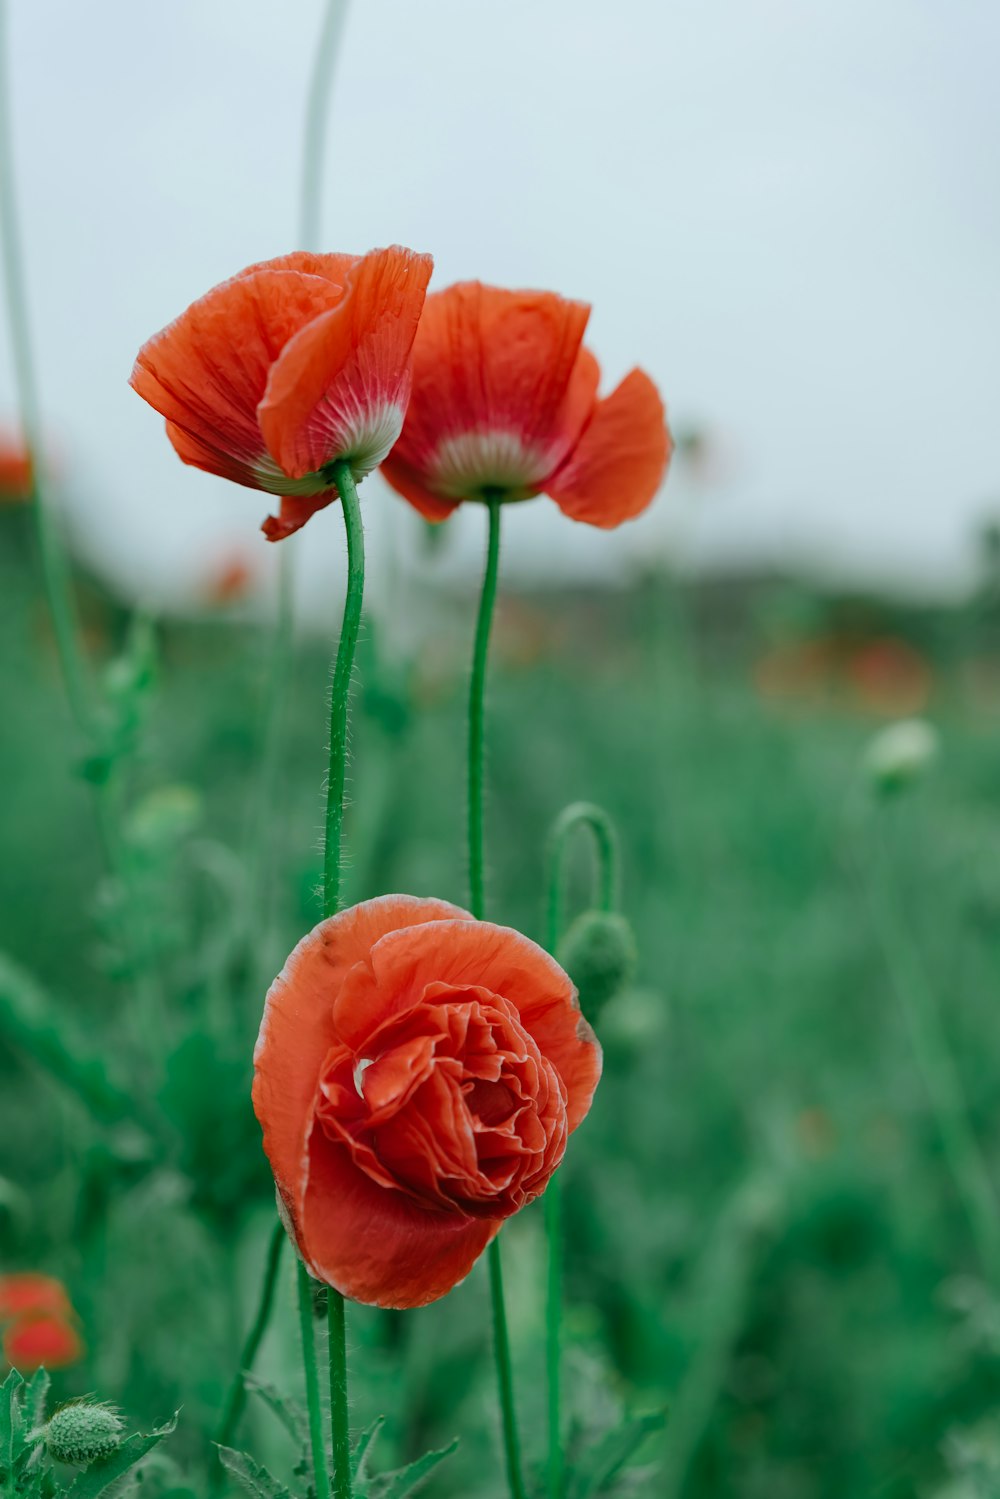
<point>83,1432</point>
<point>599,954</point>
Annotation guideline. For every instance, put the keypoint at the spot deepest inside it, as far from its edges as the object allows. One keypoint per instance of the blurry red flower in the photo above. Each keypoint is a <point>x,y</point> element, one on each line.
<point>293,364</point>
<point>43,1339</point>
<point>890,676</point>
<point>416,1076</point>
<point>15,472</point>
<point>230,581</point>
<point>27,1292</point>
<point>505,399</point>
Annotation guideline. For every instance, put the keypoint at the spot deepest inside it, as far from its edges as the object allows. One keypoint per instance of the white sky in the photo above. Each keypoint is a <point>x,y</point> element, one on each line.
<point>788,212</point>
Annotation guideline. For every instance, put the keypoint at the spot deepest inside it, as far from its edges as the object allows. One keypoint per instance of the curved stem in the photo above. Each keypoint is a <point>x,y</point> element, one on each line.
<point>340,475</point>
<point>477,904</point>
<point>477,698</point>
<point>237,1392</point>
<point>314,1405</point>
<point>596,820</point>
<point>942,1080</point>
<point>54,571</point>
<point>317,106</point>
<point>589,816</point>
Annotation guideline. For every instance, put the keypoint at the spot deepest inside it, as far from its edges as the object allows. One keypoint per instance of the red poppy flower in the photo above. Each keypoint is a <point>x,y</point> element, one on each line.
<point>15,472</point>
<point>27,1292</point>
<point>505,401</point>
<point>47,1340</point>
<point>295,363</point>
<point>416,1076</point>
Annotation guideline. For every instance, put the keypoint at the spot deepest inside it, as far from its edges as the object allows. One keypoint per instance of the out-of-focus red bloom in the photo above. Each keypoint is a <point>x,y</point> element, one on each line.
<point>292,365</point>
<point>42,1339</point>
<point>231,581</point>
<point>890,676</point>
<point>28,1293</point>
<point>505,402</point>
<point>416,1076</point>
<point>15,472</point>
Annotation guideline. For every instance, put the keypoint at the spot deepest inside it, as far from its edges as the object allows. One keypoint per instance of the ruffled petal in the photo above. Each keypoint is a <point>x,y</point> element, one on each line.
<point>333,267</point>
<point>378,1246</point>
<point>212,460</point>
<point>340,387</point>
<point>466,952</point>
<point>492,379</point>
<point>297,1029</point>
<point>208,370</point>
<point>620,461</point>
<point>294,511</point>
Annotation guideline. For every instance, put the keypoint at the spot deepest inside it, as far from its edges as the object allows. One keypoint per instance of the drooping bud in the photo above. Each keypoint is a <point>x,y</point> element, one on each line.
<point>900,754</point>
<point>82,1432</point>
<point>599,954</point>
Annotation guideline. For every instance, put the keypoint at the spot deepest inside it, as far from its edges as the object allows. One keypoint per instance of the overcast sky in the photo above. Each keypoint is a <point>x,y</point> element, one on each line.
<point>788,212</point>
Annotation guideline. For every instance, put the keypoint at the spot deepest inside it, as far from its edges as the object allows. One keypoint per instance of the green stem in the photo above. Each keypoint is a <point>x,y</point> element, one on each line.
<point>593,818</point>
<point>505,1376</point>
<point>477,699</point>
<point>477,903</point>
<point>314,1405</point>
<point>934,1059</point>
<point>340,695</point>
<point>54,570</point>
<point>339,1419</point>
<point>317,106</point>
<point>237,1392</point>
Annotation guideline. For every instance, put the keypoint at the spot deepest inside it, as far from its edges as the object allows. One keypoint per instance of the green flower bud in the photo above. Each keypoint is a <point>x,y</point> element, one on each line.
<point>598,952</point>
<point>82,1432</point>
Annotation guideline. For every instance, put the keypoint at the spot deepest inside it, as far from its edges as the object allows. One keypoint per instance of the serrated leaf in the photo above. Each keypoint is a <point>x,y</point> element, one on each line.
<point>404,1481</point>
<point>289,1412</point>
<point>11,1423</point>
<point>598,1466</point>
<point>35,1396</point>
<point>100,1480</point>
<point>363,1447</point>
<point>256,1480</point>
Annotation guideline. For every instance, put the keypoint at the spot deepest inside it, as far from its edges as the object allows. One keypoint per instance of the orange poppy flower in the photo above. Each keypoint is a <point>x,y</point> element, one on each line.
<point>505,401</point>
<point>47,1340</point>
<point>292,365</point>
<point>416,1076</point>
<point>15,472</point>
<point>28,1293</point>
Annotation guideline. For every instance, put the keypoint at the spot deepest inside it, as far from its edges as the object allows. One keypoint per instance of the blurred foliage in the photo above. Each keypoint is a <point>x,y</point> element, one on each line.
<point>762,1234</point>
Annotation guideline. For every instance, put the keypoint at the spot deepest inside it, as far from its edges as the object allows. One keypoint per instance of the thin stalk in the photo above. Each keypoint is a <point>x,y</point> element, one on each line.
<point>477,701</point>
<point>314,1404</point>
<point>339,1421</point>
<point>505,1375</point>
<point>942,1081</point>
<point>588,816</point>
<point>317,108</point>
<point>237,1392</point>
<point>55,575</point>
<point>477,903</point>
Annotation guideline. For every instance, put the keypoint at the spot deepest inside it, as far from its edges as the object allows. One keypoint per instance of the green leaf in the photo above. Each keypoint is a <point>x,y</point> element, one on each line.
<point>11,1421</point>
<point>256,1480</point>
<point>289,1412</point>
<point>101,1478</point>
<point>363,1447</point>
<point>599,1466</point>
<point>407,1480</point>
<point>36,1394</point>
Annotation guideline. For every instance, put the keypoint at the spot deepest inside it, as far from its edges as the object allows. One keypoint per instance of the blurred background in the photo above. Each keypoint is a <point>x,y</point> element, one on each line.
<point>790,215</point>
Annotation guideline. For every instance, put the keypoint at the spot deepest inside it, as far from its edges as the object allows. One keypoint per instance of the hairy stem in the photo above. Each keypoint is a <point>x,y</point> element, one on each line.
<point>314,1404</point>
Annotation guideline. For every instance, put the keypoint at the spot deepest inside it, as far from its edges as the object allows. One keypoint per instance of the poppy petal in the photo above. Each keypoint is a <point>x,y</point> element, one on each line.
<point>407,482</point>
<point>297,1028</point>
<point>212,460</point>
<point>207,371</point>
<point>44,1340</point>
<point>294,511</point>
<point>618,465</point>
<point>340,387</point>
<point>492,364</point>
<point>332,267</point>
<point>463,952</point>
<point>379,1246</point>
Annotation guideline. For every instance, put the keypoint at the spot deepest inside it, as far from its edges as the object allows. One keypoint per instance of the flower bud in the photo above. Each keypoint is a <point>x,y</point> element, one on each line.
<point>598,952</point>
<point>900,754</point>
<point>83,1432</point>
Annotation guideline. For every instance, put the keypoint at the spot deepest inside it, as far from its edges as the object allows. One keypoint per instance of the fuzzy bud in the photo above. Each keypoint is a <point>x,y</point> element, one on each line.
<point>83,1432</point>
<point>900,754</point>
<point>598,952</point>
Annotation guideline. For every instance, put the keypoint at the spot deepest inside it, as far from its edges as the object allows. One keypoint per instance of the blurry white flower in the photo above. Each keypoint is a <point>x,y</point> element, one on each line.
<point>901,753</point>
